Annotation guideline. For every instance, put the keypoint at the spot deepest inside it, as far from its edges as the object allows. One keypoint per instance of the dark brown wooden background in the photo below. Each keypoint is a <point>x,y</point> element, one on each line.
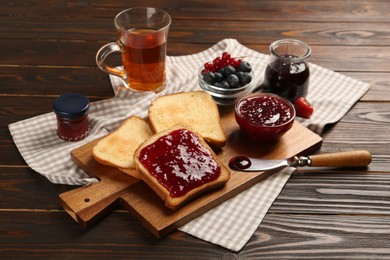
<point>48,47</point>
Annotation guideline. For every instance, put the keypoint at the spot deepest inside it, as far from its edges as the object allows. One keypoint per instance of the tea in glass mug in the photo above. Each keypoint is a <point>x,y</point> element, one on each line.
<point>143,33</point>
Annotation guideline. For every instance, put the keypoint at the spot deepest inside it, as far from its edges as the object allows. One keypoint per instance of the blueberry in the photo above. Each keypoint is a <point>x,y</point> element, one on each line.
<point>218,77</point>
<point>245,66</point>
<point>233,81</point>
<point>244,77</point>
<point>224,84</point>
<point>229,70</point>
<point>209,77</point>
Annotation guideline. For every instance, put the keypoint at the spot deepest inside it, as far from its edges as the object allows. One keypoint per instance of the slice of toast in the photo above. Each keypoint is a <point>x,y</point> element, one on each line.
<point>179,165</point>
<point>194,109</point>
<point>117,148</point>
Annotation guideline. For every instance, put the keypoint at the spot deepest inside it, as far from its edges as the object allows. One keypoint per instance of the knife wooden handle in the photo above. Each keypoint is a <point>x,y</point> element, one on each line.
<point>356,158</point>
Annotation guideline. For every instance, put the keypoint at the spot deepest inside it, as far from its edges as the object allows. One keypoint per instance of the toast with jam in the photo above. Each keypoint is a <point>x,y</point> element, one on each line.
<point>117,148</point>
<point>179,165</point>
<point>195,109</point>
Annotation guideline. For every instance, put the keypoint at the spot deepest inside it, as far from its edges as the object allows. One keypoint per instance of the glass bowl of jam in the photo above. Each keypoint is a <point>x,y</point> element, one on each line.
<point>264,116</point>
<point>222,92</point>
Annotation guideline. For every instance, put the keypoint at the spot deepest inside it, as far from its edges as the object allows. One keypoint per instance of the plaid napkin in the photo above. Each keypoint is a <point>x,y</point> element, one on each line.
<point>232,223</point>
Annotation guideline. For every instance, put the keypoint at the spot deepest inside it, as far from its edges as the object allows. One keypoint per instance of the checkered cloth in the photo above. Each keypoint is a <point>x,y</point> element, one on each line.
<point>232,223</point>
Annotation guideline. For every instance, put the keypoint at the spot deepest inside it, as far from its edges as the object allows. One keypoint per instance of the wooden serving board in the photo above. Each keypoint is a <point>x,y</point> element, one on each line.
<point>89,203</point>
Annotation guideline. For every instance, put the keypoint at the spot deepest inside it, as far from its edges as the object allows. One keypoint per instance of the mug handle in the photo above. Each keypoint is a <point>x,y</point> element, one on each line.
<point>101,56</point>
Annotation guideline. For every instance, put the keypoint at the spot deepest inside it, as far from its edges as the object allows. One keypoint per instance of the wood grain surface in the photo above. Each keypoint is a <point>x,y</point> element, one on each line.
<point>48,48</point>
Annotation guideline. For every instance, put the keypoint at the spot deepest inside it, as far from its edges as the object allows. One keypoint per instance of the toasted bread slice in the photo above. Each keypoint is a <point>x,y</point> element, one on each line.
<point>179,165</point>
<point>117,148</point>
<point>194,109</point>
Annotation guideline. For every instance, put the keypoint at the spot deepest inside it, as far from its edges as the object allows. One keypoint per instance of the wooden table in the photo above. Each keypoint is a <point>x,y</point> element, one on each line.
<point>48,48</point>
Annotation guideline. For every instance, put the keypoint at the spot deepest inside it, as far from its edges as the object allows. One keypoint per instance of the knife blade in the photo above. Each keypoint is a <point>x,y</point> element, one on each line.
<point>355,158</point>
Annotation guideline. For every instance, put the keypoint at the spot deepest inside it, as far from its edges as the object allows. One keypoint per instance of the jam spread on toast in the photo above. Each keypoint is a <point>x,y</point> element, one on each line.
<point>180,162</point>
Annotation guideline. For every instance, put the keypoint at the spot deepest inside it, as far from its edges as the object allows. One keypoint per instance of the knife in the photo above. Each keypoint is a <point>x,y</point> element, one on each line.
<point>355,158</point>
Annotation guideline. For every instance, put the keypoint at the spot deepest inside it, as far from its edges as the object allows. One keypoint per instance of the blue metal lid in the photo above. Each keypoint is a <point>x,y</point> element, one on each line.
<point>71,105</point>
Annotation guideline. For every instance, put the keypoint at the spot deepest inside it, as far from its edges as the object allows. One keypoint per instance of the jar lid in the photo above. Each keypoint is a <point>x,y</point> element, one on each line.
<point>71,105</point>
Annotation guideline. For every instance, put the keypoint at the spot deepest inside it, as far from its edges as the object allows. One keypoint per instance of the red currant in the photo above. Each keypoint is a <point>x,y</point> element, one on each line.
<point>217,63</point>
<point>225,63</point>
<point>209,66</point>
<point>225,56</point>
<point>234,62</point>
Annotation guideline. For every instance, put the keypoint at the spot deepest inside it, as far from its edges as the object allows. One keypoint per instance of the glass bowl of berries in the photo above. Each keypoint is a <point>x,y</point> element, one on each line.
<point>226,78</point>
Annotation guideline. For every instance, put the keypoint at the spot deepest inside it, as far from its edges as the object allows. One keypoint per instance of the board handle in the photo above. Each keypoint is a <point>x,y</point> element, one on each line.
<point>89,204</point>
<point>356,158</point>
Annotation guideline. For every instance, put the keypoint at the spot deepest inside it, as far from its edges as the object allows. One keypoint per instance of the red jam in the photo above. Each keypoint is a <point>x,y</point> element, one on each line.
<point>287,78</point>
<point>180,162</point>
<point>73,129</point>
<point>240,163</point>
<point>72,118</point>
<point>264,116</point>
<point>288,72</point>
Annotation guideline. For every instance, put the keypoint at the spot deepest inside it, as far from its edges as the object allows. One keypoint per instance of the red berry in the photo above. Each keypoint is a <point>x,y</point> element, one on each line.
<point>204,71</point>
<point>225,56</point>
<point>209,66</point>
<point>234,62</point>
<point>303,108</point>
<point>217,63</point>
<point>224,63</point>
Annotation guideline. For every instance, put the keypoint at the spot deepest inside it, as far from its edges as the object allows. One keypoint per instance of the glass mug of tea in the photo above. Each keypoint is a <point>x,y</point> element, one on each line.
<point>143,33</point>
<point>287,73</point>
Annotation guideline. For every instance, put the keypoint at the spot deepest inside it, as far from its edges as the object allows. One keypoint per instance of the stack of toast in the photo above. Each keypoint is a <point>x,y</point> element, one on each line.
<point>192,114</point>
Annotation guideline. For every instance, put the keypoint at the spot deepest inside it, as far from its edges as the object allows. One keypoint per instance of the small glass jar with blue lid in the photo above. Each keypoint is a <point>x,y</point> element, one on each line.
<point>72,116</point>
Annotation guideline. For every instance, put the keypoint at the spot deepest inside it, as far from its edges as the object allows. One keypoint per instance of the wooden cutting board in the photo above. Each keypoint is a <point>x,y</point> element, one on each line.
<point>90,203</point>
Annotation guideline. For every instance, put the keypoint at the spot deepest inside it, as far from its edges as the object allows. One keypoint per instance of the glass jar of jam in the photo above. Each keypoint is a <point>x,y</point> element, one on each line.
<point>287,73</point>
<point>72,116</point>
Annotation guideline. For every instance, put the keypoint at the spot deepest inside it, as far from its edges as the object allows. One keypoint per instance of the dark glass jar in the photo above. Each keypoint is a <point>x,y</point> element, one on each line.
<point>287,73</point>
<point>72,116</point>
